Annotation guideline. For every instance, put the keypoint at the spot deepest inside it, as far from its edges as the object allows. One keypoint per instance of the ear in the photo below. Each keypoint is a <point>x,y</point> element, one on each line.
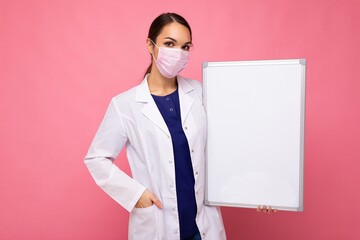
<point>149,46</point>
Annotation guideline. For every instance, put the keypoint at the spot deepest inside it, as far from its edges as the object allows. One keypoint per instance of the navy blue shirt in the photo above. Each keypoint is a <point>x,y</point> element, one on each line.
<point>169,106</point>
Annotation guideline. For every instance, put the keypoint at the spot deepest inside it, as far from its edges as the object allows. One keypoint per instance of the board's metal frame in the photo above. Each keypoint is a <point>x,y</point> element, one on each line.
<point>302,62</point>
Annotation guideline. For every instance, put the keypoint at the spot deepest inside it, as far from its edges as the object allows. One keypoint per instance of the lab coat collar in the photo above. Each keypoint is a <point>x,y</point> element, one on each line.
<point>143,93</point>
<point>185,98</point>
<point>151,111</point>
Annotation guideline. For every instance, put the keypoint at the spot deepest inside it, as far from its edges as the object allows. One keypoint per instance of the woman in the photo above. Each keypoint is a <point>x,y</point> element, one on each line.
<point>162,122</point>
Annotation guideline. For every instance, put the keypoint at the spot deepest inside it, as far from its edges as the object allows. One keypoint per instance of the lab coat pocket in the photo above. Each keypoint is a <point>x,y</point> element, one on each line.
<point>143,223</point>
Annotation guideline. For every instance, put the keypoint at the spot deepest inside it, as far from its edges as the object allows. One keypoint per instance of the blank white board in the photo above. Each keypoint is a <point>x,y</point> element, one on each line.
<point>255,143</point>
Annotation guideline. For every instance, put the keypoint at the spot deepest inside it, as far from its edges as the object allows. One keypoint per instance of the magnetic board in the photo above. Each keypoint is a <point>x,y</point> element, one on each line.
<point>255,141</point>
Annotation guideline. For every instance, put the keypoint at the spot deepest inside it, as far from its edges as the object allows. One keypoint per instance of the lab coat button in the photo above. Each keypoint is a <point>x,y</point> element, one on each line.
<point>176,231</point>
<point>171,186</point>
<point>192,150</point>
<point>185,127</point>
<point>196,172</point>
<point>170,162</point>
<point>203,234</point>
<point>174,209</point>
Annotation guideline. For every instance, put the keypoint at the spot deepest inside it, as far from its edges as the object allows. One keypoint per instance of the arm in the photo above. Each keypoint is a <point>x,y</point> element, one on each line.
<point>109,140</point>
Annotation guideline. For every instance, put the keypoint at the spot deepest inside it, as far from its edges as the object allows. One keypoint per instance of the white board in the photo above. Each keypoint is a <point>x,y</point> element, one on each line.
<point>255,143</point>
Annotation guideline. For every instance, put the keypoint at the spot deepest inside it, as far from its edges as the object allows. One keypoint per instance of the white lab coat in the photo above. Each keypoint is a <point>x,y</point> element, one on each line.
<point>133,119</point>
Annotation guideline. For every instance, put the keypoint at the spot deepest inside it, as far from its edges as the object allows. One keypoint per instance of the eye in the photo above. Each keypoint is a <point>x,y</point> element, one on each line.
<point>169,44</point>
<point>186,48</point>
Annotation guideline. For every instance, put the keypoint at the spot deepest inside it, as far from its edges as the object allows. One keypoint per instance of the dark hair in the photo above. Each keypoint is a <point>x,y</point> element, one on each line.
<point>159,23</point>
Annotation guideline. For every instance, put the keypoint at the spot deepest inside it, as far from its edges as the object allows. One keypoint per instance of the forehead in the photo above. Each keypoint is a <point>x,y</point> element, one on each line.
<point>176,31</point>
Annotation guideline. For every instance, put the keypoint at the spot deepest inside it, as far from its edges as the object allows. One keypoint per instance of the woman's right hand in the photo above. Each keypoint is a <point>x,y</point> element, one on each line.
<point>147,199</point>
<point>266,209</point>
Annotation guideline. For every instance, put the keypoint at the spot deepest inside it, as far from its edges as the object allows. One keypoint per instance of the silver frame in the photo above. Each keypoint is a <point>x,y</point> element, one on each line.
<point>302,62</point>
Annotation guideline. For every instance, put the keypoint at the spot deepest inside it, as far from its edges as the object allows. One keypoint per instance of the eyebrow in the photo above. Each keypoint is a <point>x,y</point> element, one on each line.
<point>176,41</point>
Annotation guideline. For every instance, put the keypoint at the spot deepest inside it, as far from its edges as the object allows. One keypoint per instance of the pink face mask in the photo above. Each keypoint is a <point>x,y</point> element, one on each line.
<point>171,61</point>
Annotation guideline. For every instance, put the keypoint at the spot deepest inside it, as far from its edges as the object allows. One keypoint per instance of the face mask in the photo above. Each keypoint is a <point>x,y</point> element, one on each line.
<point>171,61</point>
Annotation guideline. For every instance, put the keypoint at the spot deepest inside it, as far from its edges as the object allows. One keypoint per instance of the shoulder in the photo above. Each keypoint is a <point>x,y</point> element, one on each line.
<point>124,101</point>
<point>125,96</point>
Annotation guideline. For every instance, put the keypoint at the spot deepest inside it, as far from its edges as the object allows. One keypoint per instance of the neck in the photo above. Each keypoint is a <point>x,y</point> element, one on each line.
<point>160,85</point>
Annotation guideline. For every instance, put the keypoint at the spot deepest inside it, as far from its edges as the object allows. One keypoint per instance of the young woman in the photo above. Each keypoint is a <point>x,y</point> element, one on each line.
<point>162,123</point>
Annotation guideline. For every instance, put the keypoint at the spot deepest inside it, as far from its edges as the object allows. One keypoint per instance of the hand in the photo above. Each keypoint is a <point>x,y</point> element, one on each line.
<point>147,199</point>
<point>266,209</point>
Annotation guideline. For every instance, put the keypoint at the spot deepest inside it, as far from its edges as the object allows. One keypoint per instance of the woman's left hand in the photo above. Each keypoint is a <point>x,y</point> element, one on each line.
<point>266,209</point>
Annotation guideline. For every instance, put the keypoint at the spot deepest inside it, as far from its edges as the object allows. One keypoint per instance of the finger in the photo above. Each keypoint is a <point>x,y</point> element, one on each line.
<point>158,204</point>
<point>264,208</point>
<point>272,210</point>
<point>258,209</point>
<point>139,205</point>
<point>156,201</point>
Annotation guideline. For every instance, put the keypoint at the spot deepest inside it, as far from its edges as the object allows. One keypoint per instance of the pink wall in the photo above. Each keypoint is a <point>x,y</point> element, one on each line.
<point>62,61</point>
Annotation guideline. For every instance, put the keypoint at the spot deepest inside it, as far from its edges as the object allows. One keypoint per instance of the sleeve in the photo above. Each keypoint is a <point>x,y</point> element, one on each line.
<point>109,140</point>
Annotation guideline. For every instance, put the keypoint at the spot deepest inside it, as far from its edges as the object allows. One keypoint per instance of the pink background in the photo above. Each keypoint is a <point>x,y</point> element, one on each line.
<point>62,61</point>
